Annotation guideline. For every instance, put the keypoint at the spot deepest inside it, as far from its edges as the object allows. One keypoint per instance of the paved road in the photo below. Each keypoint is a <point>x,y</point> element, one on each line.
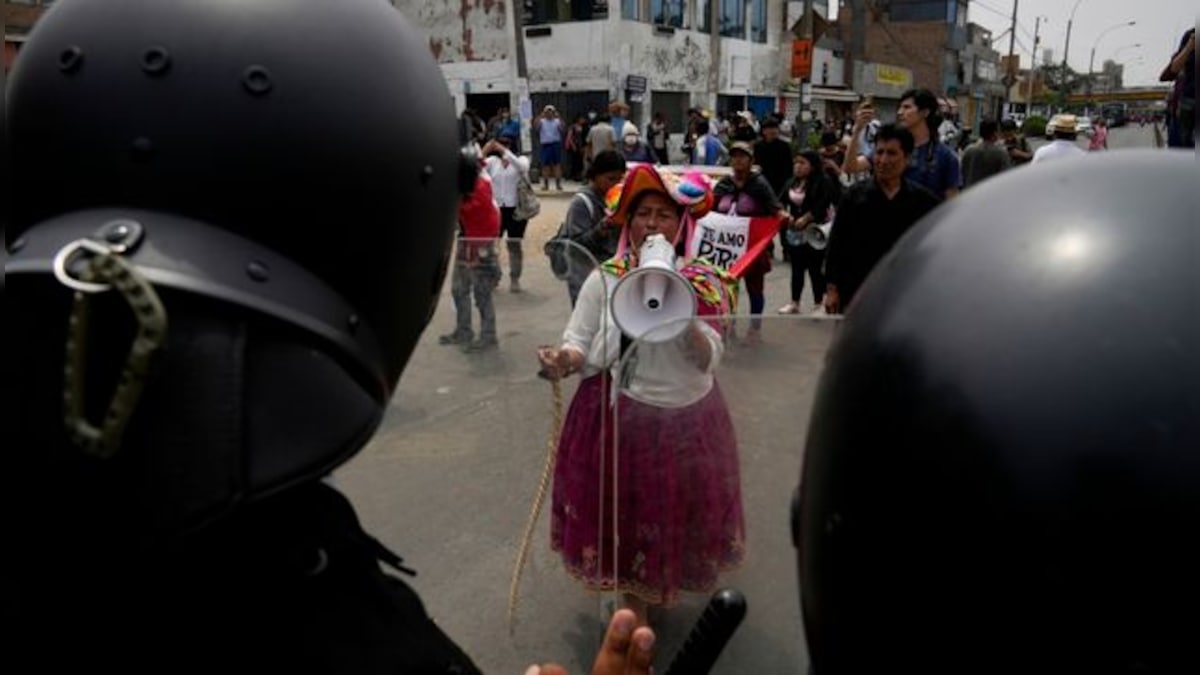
<point>1120,138</point>
<point>449,480</point>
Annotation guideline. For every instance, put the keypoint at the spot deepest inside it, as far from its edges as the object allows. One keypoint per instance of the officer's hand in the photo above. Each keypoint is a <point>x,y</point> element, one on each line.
<point>833,304</point>
<point>625,651</point>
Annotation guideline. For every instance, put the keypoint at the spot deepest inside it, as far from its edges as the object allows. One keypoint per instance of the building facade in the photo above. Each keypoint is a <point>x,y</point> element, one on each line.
<point>1110,78</point>
<point>823,92</point>
<point>19,18</point>
<point>920,43</point>
<point>982,92</point>
<point>655,55</point>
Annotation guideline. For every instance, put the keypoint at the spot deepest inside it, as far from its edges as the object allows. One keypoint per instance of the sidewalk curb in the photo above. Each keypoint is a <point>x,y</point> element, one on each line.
<point>569,190</point>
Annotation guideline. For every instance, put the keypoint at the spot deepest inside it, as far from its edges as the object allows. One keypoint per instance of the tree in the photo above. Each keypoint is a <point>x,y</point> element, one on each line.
<point>1065,81</point>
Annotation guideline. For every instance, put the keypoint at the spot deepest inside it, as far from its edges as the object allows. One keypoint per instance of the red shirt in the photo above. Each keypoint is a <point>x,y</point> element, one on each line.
<point>478,216</point>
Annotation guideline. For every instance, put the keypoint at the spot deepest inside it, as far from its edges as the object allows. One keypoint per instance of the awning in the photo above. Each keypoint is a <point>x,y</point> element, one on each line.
<point>833,94</point>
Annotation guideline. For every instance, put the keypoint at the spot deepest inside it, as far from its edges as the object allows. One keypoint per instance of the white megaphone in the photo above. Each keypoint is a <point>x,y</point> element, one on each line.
<point>653,302</point>
<point>817,236</point>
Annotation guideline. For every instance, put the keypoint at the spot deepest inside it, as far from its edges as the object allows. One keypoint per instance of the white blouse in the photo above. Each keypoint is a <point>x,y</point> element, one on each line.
<point>663,375</point>
<point>505,178</point>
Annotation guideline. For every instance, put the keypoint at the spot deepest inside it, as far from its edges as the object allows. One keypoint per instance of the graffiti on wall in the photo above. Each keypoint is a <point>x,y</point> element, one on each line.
<point>460,30</point>
<point>683,63</point>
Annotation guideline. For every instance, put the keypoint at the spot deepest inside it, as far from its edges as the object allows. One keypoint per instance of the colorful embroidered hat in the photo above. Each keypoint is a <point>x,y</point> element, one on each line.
<point>692,190</point>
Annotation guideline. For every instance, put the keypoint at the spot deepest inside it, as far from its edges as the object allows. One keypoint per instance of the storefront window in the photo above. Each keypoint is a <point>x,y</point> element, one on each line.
<point>667,12</point>
<point>733,18</point>
<point>758,20</point>
<point>558,11</point>
<point>703,15</point>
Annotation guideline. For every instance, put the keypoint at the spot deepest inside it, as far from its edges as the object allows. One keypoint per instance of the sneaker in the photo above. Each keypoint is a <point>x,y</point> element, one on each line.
<point>514,286</point>
<point>480,345</point>
<point>455,338</point>
<point>790,308</point>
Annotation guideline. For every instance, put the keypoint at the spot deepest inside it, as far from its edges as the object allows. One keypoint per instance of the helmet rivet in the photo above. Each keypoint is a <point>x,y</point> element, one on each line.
<point>71,59</point>
<point>258,271</point>
<point>257,80</point>
<point>142,147</point>
<point>833,523</point>
<point>122,234</point>
<point>426,174</point>
<point>117,233</point>
<point>156,60</point>
<point>16,245</point>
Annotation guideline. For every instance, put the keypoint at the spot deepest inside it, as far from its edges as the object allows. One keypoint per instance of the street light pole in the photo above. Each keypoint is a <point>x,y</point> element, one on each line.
<point>1037,27</point>
<point>1067,49</point>
<point>1092,61</point>
<point>1117,53</point>
<point>1010,71</point>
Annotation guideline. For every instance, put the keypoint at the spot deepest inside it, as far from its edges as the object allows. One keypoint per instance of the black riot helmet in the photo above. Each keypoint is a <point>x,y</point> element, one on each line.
<point>1002,471</point>
<point>230,227</point>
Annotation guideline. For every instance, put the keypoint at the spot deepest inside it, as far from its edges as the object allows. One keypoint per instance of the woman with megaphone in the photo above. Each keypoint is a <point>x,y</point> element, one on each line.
<point>675,484</point>
<point>810,197</point>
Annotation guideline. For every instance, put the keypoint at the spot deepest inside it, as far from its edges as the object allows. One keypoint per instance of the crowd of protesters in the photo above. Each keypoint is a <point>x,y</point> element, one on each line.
<point>860,182</point>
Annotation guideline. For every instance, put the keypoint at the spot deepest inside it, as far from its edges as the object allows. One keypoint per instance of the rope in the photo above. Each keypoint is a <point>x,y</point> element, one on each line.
<point>538,500</point>
<point>103,439</point>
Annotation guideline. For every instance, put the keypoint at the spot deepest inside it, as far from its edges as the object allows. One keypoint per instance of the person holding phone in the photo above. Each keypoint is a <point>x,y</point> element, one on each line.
<point>933,164</point>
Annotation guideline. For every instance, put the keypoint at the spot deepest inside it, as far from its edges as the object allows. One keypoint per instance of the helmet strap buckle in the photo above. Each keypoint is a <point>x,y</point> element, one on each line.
<point>107,270</point>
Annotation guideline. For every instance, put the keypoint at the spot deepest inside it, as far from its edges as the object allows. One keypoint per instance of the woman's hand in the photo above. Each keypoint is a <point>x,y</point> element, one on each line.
<point>802,222</point>
<point>557,362</point>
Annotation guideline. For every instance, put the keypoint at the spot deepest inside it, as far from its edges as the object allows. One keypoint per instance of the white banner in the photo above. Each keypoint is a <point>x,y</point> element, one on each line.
<point>721,239</point>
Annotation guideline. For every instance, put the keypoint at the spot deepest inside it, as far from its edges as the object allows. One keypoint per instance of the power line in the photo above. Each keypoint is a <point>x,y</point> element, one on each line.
<point>1006,15</point>
<point>992,9</point>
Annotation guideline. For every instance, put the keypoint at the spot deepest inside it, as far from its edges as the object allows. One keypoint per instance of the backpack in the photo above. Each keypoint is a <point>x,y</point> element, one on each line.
<point>556,248</point>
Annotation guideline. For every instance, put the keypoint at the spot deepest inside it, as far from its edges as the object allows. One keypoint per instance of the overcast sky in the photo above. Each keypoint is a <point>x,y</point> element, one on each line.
<point>1160,24</point>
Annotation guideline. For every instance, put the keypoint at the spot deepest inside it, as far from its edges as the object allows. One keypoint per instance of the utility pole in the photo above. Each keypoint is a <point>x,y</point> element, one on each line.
<point>1066,51</point>
<point>1037,27</point>
<point>1010,71</point>
<point>858,39</point>
<point>714,48</point>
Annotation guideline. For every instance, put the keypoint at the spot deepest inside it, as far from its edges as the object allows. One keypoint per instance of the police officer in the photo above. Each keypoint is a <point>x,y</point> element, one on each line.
<point>1003,464</point>
<point>224,242</point>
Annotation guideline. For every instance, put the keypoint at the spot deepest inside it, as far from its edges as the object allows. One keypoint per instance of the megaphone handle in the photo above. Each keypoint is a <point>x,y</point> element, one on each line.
<point>712,631</point>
